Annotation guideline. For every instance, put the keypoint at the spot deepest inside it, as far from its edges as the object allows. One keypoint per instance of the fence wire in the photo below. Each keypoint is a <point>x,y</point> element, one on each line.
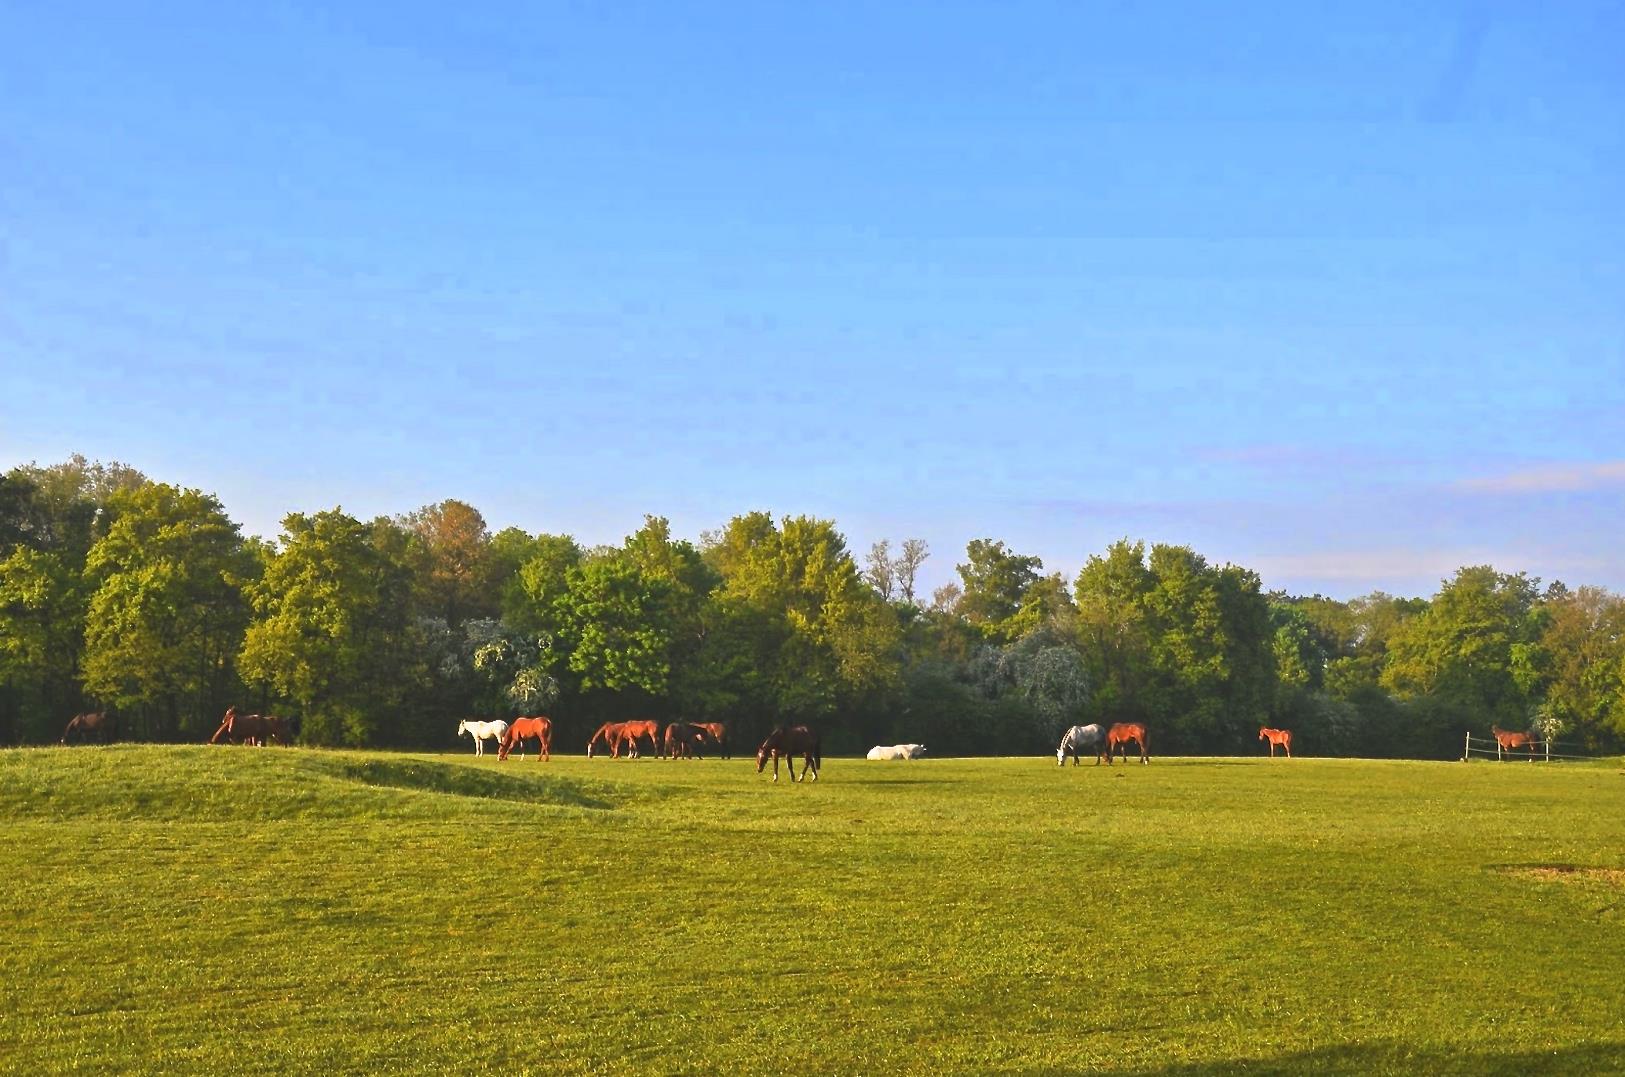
<point>1545,751</point>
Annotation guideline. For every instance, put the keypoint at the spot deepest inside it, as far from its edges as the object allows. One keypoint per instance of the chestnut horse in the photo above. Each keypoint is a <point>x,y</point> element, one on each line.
<point>1118,736</point>
<point>632,732</point>
<point>719,736</point>
<point>1283,737</point>
<point>1512,741</point>
<point>791,742</point>
<point>524,728</point>
<point>99,725</point>
<point>611,734</point>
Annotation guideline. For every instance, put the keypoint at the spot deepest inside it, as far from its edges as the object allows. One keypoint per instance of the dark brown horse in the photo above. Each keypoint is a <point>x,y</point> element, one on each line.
<point>1118,736</point>
<point>719,736</point>
<point>1511,742</point>
<point>684,740</point>
<point>790,742</point>
<point>1283,737</point>
<point>252,729</point>
<point>523,729</point>
<point>92,726</point>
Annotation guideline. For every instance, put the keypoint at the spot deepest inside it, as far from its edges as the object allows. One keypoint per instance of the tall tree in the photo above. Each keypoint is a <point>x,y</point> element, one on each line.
<point>451,555</point>
<point>906,566</point>
<point>167,610</point>
<point>994,582</point>
<point>333,632</point>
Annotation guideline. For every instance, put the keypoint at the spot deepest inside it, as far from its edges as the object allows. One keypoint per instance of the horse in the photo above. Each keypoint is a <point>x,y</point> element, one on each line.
<point>683,739</point>
<point>1079,737</point>
<point>483,731</point>
<point>791,742</point>
<point>1513,741</point>
<point>251,729</point>
<point>718,734</point>
<point>611,734</point>
<point>521,728</point>
<point>1283,737</point>
<point>1118,736</point>
<point>632,732</point>
<point>896,751</point>
<point>83,727</point>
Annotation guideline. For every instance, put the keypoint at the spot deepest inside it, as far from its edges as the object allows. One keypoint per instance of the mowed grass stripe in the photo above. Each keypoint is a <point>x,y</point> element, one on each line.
<point>192,909</point>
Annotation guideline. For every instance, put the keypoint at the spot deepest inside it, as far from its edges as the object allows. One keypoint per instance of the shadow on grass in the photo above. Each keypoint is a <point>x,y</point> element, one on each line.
<point>1396,1057</point>
<point>457,780</point>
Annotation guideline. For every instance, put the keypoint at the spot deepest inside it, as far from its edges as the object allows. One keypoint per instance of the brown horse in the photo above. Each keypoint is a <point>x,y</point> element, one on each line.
<point>611,733</point>
<point>98,726</point>
<point>719,736</point>
<point>683,740</point>
<point>523,729</point>
<point>253,729</point>
<point>1283,737</point>
<point>791,742</point>
<point>632,732</point>
<point>1118,736</point>
<point>1513,741</point>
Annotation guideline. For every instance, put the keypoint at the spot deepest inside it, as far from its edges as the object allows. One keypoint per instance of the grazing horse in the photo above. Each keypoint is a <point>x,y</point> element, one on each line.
<point>483,731</point>
<point>632,732</point>
<point>251,729</point>
<point>1283,737</point>
<point>98,725</point>
<point>684,740</point>
<point>1118,736</point>
<point>521,728</point>
<point>718,733</point>
<point>1076,739</point>
<point>791,742</point>
<point>1513,741</point>
<point>611,734</point>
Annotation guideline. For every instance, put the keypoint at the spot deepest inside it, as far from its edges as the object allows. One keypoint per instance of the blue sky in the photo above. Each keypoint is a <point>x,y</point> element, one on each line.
<point>1332,291</point>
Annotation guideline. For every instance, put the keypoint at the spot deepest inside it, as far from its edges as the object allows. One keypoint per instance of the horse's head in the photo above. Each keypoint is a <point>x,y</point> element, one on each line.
<point>762,755</point>
<point>1262,734</point>
<point>462,727</point>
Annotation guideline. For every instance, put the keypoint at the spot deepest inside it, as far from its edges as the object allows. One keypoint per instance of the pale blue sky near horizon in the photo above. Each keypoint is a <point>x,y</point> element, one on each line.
<point>1333,292</point>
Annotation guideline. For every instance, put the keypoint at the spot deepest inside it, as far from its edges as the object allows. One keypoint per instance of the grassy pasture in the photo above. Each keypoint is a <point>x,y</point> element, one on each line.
<point>232,910</point>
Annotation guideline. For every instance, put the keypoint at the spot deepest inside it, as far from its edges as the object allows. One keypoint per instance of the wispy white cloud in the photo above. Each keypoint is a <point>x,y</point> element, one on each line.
<point>1380,564</point>
<point>1549,478</point>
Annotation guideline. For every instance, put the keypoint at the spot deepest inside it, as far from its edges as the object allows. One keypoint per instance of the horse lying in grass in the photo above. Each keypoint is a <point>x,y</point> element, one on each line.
<point>897,751</point>
<point>482,732</point>
<point>522,729</point>
<point>1078,739</point>
<point>1283,737</point>
<point>789,743</point>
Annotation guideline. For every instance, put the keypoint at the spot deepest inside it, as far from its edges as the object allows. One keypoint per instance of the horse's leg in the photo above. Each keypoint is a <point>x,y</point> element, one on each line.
<point>809,763</point>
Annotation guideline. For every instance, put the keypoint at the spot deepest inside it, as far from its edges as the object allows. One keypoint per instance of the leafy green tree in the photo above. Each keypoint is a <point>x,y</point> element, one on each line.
<point>450,556</point>
<point>994,582</point>
<point>167,609</point>
<point>42,617</point>
<point>334,630</point>
<point>1460,650</point>
<point>1581,656</point>
<point>821,636</point>
<point>1113,627</point>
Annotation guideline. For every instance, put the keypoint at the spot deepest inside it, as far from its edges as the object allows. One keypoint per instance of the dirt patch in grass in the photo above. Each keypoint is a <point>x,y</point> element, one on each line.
<point>1567,873</point>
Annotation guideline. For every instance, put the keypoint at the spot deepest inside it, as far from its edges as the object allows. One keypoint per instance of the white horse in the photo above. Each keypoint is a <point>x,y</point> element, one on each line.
<point>483,731</point>
<point>1079,737</point>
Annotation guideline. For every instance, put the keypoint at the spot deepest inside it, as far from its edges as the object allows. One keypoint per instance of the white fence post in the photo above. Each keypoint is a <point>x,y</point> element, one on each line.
<point>1467,749</point>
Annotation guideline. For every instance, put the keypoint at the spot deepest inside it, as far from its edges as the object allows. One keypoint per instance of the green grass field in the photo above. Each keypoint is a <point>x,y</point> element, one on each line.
<point>233,910</point>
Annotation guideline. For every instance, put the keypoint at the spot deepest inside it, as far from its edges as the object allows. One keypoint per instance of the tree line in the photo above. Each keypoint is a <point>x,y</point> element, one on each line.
<point>117,591</point>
